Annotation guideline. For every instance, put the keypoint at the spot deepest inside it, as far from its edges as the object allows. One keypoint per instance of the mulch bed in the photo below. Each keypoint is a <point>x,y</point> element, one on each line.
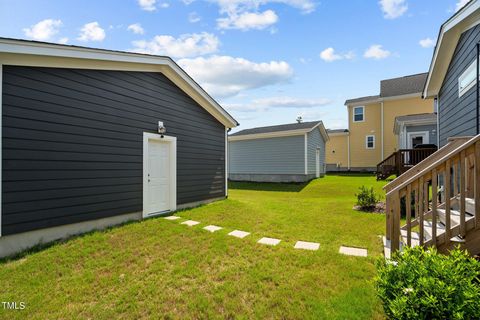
<point>380,208</point>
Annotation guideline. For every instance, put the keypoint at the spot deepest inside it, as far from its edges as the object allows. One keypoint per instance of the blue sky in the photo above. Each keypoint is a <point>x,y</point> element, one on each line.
<point>265,61</point>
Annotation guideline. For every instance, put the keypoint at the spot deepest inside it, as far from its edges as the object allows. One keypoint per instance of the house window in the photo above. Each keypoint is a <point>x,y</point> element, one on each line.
<point>370,142</point>
<point>358,114</point>
<point>466,81</point>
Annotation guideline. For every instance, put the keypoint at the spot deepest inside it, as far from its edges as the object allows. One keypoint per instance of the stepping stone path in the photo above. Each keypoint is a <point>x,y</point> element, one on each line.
<point>212,228</point>
<point>190,223</point>
<point>269,241</point>
<point>239,234</point>
<point>349,251</point>
<point>171,218</point>
<point>307,245</point>
<point>302,245</point>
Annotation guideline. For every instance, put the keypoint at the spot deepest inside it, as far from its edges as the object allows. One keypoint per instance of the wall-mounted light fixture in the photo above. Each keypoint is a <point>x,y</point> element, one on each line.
<point>161,128</point>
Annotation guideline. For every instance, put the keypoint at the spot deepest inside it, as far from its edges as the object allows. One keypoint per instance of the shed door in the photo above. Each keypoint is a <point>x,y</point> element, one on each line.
<point>159,179</point>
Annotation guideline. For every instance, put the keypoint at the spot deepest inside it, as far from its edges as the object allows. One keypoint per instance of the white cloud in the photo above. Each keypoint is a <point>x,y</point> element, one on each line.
<point>427,43</point>
<point>248,20</point>
<point>225,76</point>
<point>187,45</point>
<point>246,14</point>
<point>393,9</point>
<point>91,32</point>
<point>43,30</point>
<point>460,4</point>
<point>193,17</point>
<point>377,52</point>
<point>329,55</point>
<point>231,6</point>
<point>164,5</point>
<point>147,5</point>
<point>63,40</point>
<point>136,28</point>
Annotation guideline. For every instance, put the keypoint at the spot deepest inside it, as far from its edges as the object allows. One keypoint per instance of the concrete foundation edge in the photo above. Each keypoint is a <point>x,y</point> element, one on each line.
<point>16,243</point>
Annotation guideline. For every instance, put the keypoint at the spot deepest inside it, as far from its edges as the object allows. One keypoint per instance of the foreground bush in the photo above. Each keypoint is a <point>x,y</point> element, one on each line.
<point>423,284</point>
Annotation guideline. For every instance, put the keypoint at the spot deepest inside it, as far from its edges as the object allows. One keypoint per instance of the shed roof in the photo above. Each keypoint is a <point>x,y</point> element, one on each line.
<point>45,54</point>
<point>288,129</point>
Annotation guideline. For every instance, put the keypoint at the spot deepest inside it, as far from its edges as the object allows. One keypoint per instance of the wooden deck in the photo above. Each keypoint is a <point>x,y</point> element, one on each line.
<point>401,161</point>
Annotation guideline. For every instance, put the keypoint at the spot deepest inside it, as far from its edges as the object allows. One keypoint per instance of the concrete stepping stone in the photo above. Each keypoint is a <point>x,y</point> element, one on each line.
<point>350,251</point>
<point>190,223</point>
<point>269,241</point>
<point>212,228</point>
<point>171,218</point>
<point>239,234</point>
<point>307,245</point>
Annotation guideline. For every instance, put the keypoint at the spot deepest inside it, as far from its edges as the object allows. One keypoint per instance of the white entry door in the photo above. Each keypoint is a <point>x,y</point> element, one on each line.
<point>416,138</point>
<point>317,161</point>
<point>159,181</point>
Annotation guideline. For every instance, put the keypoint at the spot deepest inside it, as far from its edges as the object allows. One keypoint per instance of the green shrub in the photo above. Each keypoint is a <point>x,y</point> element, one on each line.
<point>423,284</point>
<point>366,198</point>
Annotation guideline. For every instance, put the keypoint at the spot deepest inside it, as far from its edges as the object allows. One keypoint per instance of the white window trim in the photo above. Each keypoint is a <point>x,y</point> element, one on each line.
<point>366,141</point>
<point>471,68</point>
<point>173,170</point>
<point>363,114</point>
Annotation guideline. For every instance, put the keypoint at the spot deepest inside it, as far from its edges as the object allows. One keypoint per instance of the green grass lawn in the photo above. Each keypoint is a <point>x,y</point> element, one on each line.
<point>161,269</point>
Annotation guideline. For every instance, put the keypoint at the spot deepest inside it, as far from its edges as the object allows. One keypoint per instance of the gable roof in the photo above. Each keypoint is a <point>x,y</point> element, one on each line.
<point>367,99</point>
<point>44,54</point>
<point>403,85</point>
<point>337,131</point>
<point>282,130</point>
<point>414,119</point>
<point>448,36</point>
<point>395,87</point>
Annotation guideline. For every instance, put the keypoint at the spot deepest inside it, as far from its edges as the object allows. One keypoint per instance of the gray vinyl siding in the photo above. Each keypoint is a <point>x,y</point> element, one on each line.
<point>314,141</point>
<point>432,131</point>
<point>457,114</point>
<point>72,144</point>
<point>281,155</point>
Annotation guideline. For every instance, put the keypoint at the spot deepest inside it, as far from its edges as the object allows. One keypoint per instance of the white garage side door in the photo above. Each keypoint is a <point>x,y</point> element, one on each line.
<point>159,181</point>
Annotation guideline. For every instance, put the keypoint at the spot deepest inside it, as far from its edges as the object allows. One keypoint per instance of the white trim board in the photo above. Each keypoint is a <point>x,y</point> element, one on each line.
<point>40,54</point>
<point>173,170</point>
<point>449,35</point>
<point>306,153</point>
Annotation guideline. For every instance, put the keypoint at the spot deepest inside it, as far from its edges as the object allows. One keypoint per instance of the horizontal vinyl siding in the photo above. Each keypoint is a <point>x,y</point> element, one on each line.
<point>73,144</point>
<point>282,155</point>
<point>457,114</point>
<point>315,140</point>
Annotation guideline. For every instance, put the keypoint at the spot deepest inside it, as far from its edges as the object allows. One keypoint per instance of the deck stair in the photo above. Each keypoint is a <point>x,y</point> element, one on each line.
<point>440,199</point>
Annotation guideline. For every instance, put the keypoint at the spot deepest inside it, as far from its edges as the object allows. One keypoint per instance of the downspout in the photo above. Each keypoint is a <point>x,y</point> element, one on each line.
<point>381,115</point>
<point>477,83</point>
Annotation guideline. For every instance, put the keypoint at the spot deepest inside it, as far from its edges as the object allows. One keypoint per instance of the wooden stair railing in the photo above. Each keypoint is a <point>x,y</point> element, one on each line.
<point>401,161</point>
<point>439,197</point>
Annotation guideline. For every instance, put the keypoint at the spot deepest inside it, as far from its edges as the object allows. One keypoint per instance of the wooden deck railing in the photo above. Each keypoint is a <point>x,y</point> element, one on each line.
<point>442,186</point>
<point>401,161</point>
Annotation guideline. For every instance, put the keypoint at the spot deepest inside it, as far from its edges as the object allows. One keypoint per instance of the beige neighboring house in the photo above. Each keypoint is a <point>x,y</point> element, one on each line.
<point>336,158</point>
<point>371,120</point>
